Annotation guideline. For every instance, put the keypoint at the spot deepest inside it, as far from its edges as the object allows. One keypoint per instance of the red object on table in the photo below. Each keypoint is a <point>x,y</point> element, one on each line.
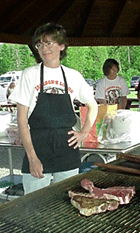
<point>92,140</point>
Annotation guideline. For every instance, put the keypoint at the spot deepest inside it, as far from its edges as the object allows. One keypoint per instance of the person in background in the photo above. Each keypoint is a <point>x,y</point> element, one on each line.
<point>3,98</point>
<point>46,118</point>
<point>10,89</point>
<point>138,95</point>
<point>112,89</point>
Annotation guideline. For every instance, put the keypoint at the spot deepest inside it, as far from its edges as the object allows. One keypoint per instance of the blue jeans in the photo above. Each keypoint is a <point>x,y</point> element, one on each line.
<point>31,183</point>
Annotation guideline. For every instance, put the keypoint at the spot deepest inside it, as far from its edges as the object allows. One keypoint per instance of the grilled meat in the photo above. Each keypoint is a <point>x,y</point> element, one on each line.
<point>122,194</point>
<point>88,205</point>
<point>100,200</point>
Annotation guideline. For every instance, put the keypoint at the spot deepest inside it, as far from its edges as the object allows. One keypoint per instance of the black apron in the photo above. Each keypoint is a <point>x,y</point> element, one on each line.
<point>50,121</point>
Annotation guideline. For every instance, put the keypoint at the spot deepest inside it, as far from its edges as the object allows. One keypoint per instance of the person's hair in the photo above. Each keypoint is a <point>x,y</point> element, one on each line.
<point>108,65</point>
<point>12,85</point>
<point>56,32</point>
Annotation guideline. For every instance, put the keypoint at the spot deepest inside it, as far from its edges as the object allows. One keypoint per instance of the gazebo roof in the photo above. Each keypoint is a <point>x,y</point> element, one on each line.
<point>87,22</point>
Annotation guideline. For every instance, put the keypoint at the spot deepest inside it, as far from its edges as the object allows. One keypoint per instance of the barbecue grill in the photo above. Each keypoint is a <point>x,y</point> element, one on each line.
<point>49,209</point>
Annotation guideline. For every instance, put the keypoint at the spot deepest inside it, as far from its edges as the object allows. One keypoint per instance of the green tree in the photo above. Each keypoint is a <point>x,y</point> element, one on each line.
<point>87,60</point>
<point>15,57</point>
<point>5,62</point>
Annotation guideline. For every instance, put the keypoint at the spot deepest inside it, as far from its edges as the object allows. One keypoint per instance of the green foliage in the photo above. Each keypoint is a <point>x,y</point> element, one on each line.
<point>15,57</point>
<point>87,60</point>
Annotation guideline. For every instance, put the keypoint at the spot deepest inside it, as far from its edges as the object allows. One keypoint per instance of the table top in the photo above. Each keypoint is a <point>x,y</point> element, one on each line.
<point>5,142</point>
<point>122,147</point>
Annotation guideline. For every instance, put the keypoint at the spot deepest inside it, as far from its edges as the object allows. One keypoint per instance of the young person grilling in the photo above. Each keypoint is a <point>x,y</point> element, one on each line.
<point>46,118</point>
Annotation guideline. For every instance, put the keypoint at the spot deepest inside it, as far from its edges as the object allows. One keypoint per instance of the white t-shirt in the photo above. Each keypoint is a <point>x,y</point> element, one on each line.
<point>3,98</point>
<point>28,87</point>
<point>111,90</point>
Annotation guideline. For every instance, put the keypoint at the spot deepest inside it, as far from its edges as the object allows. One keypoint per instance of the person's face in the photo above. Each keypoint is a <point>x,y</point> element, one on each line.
<point>49,51</point>
<point>113,72</point>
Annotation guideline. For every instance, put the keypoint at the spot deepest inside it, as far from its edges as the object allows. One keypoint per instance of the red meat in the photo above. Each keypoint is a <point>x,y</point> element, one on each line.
<point>120,193</point>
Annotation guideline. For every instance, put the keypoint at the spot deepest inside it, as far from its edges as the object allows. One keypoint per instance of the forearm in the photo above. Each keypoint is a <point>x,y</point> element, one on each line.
<point>25,133</point>
<point>100,101</point>
<point>138,96</point>
<point>35,165</point>
<point>91,115</point>
<point>123,103</point>
<point>78,137</point>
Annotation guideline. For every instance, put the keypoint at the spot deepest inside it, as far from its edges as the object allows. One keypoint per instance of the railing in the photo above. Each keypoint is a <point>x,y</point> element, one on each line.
<point>132,103</point>
<point>9,107</point>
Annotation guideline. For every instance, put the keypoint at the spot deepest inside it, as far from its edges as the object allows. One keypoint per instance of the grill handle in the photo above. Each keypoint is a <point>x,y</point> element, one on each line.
<point>118,168</point>
<point>129,157</point>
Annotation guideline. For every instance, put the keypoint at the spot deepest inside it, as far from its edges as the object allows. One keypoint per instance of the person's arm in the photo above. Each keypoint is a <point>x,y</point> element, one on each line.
<point>36,167</point>
<point>138,96</point>
<point>124,92</point>
<point>123,103</point>
<point>78,137</point>
<point>100,92</point>
<point>7,93</point>
<point>138,91</point>
<point>100,101</point>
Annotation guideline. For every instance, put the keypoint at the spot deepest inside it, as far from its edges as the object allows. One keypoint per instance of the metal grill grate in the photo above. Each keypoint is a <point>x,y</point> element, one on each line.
<point>49,209</point>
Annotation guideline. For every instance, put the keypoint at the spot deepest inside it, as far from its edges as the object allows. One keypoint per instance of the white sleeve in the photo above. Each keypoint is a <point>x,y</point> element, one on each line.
<point>125,89</point>
<point>84,93</point>
<point>100,90</point>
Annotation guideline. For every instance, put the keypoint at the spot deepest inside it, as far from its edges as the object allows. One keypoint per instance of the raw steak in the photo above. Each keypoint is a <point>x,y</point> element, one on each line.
<point>122,194</point>
<point>88,205</point>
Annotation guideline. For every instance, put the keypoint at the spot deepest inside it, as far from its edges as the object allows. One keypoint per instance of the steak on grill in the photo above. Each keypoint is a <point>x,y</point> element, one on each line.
<point>90,195</point>
<point>88,205</point>
<point>122,194</point>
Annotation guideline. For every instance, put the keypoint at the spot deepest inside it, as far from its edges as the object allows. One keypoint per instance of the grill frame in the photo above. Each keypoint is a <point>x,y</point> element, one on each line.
<point>49,209</point>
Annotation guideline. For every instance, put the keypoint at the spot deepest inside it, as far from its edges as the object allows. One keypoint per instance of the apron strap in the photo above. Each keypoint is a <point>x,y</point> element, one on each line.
<point>66,86</point>
<point>41,79</point>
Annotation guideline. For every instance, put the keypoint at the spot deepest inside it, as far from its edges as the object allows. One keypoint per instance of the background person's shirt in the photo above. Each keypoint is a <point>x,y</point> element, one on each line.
<point>111,90</point>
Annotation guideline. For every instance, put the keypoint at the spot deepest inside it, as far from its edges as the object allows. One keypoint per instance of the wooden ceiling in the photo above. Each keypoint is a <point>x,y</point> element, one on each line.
<point>87,22</point>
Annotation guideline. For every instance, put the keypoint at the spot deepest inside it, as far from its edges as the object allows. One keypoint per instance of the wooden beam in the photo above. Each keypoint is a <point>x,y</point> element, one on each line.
<point>84,12</point>
<point>15,39</point>
<point>103,41</point>
<point>27,14</point>
<point>116,17</point>
<point>44,17</point>
<point>75,41</point>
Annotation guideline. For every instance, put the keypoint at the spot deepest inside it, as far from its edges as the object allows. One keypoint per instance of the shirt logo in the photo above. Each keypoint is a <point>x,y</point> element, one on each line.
<point>113,95</point>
